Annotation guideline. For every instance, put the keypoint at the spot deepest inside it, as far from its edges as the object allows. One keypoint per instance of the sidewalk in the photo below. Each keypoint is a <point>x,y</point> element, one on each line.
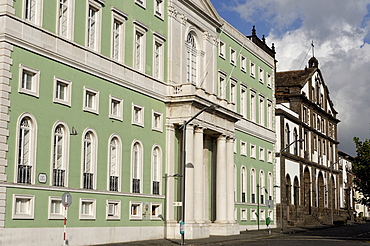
<point>213,240</point>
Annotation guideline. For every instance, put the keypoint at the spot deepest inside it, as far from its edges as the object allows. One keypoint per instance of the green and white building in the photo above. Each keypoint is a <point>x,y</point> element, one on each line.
<point>92,96</point>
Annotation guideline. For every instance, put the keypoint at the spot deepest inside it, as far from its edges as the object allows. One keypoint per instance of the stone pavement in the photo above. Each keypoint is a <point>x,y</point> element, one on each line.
<point>214,240</point>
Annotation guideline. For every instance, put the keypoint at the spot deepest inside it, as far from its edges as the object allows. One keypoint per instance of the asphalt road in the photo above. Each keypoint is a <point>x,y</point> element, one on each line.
<point>358,234</point>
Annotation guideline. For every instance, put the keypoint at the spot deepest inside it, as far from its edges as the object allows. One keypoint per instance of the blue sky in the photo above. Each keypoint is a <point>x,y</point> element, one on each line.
<point>340,30</point>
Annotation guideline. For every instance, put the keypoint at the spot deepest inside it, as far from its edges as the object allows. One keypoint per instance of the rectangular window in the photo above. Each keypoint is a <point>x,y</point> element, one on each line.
<point>56,208</point>
<point>158,8</point>
<point>252,69</point>
<point>262,154</point>
<point>156,211</point>
<point>233,91</point>
<point>262,110</point>
<point>135,211</point>
<point>139,51</point>
<point>137,115</point>
<point>221,85</point>
<point>252,109</point>
<point>262,214</point>
<point>115,108</point>
<point>232,57</point>
<point>158,57</point>
<point>87,209</point>
<point>243,148</point>
<point>253,214</point>
<point>243,102</point>
<point>157,121</point>
<point>65,18</point>
<point>269,156</point>
<point>32,10</point>
<point>91,27</point>
<point>261,75</point>
<point>91,100</point>
<point>62,89</point>
<point>243,214</point>
<point>29,80</point>
<point>221,46</point>
<point>269,80</point>
<point>269,114</point>
<point>23,206</point>
<point>141,3</point>
<point>243,63</point>
<point>113,210</point>
<point>116,39</point>
<point>252,153</point>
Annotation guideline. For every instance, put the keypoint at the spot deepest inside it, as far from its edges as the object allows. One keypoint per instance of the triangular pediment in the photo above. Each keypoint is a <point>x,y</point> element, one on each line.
<point>206,7</point>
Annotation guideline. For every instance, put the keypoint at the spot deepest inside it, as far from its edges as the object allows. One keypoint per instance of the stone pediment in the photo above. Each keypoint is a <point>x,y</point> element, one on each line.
<point>204,7</point>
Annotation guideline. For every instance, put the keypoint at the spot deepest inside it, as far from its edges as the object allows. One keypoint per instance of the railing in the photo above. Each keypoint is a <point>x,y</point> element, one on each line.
<point>243,196</point>
<point>58,177</point>
<point>88,180</point>
<point>113,183</point>
<point>155,188</point>
<point>262,199</point>
<point>24,174</point>
<point>253,198</point>
<point>135,185</point>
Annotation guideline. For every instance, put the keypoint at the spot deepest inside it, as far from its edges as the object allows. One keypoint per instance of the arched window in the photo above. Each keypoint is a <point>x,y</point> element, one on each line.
<point>295,145</point>
<point>296,191</point>
<point>191,59</point>
<point>253,185</point>
<point>288,190</point>
<point>89,160</point>
<point>59,156</point>
<point>269,186</point>
<point>136,167</point>
<point>244,183</point>
<point>287,137</point>
<point>26,150</point>
<point>114,163</point>
<point>156,170</point>
<point>262,187</point>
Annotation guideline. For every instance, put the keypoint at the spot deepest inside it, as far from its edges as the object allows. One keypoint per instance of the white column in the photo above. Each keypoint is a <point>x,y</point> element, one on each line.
<point>230,179</point>
<point>221,204</point>
<point>198,176</point>
<point>189,182</point>
<point>170,169</point>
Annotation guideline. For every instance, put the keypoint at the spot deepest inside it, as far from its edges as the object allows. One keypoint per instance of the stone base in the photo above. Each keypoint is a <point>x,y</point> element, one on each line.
<point>225,229</point>
<point>192,230</point>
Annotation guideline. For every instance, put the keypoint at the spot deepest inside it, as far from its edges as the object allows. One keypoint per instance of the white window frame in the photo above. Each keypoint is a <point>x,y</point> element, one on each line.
<point>140,118</point>
<point>243,148</point>
<point>243,214</point>
<point>31,157</point>
<point>159,9</point>
<point>192,62</point>
<point>252,152</point>
<point>117,210</point>
<point>262,215</point>
<point>262,154</point>
<point>95,100</point>
<point>243,63</point>
<point>139,171</point>
<point>139,54</point>
<point>252,69</point>
<point>156,174</point>
<point>221,47</point>
<point>35,80</point>
<point>155,116</point>
<point>64,154</point>
<point>261,109</point>
<point>139,213</point>
<point>92,215</point>
<point>157,211</point>
<point>96,6</point>
<point>69,16</point>
<point>28,215</point>
<point>269,156</point>
<point>271,214</point>
<point>269,114</point>
<point>261,75</point>
<point>67,91</point>
<point>221,84</point>
<point>232,56</point>
<point>253,214</point>
<point>56,216</point>
<point>158,55</point>
<point>252,108</point>
<point>93,157</point>
<point>118,161</point>
<point>119,104</point>
<point>243,101</point>
<point>269,80</point>
<point>118,34</point>
<point>37,19</point>
<point>243,184</point>
<point>233,95</point>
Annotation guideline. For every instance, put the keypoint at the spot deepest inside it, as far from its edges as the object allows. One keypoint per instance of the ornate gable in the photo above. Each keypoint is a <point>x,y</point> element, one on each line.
<point>204,8</point>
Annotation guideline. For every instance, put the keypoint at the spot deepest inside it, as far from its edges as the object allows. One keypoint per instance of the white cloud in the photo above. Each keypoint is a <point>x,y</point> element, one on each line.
<point>339,29</point>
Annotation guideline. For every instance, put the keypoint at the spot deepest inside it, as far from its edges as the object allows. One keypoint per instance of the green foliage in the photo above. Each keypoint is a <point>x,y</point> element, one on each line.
<point>361,169</point>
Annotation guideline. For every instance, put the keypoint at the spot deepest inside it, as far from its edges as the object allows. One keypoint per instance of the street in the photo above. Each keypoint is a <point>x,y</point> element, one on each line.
<point>358,234</point>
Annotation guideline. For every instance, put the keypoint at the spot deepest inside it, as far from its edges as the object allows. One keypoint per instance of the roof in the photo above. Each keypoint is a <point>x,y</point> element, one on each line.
<point>294,78</point>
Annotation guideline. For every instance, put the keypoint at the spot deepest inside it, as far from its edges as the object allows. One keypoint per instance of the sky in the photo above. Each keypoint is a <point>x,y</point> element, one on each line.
<point>340,32</point>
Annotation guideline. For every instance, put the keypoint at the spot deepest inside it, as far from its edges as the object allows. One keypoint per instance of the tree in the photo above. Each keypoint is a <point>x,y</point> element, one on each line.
<point>361,170</point>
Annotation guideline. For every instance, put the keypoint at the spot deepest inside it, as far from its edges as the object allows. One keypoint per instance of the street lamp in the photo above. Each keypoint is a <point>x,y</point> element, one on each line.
<point>183,128</point>
<point>281,179</point>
